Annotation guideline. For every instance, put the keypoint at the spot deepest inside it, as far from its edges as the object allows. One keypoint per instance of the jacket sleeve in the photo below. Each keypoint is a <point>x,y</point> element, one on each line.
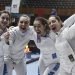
<point>12,37</point>
<point>70,21</point>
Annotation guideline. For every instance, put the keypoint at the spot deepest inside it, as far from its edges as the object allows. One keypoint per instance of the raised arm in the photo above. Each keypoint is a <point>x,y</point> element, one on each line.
<point>70,21</point>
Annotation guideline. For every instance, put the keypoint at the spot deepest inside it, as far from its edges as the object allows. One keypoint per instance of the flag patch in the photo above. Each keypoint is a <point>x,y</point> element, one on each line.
<point>54,55</point>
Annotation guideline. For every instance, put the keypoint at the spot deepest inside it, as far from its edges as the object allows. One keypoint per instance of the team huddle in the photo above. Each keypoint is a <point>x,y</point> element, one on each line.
<point>54,38</point>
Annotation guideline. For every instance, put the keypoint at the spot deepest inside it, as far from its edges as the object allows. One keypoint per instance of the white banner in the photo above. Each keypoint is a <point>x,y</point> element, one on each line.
<point>8,8</point>
<point>15,6</point>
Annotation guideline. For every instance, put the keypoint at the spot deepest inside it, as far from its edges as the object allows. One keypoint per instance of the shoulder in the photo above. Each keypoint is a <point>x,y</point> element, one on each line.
<point>31,28</point>
<point>64,33</point>
<point>71,31</point>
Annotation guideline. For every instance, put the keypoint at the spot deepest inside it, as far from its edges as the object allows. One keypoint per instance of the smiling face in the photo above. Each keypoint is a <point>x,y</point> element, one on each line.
<point>39,28</point>
<point>4,20</point>
<point>24,23</point>
<point>55,23</point>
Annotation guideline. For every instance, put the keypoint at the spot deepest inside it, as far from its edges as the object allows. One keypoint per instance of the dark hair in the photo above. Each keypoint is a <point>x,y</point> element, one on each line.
<point>44,23</point>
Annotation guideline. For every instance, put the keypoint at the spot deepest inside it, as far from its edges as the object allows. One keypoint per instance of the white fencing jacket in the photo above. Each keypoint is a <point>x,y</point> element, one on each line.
<point>66,48</point>
<point>47,50</point>
<point>18,41</point>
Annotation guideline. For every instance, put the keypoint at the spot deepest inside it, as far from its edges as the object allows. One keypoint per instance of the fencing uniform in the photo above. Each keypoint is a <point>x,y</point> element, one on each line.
<point>71,40</point>
<point>17,41</point>
<point>65,51</point>
<point>48,54</point>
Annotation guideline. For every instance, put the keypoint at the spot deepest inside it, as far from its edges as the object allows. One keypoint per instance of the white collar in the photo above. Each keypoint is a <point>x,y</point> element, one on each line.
<point>59,32</point>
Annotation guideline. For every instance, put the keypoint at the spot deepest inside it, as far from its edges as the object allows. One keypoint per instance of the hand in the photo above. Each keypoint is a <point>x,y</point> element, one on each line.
<point>6,37</point>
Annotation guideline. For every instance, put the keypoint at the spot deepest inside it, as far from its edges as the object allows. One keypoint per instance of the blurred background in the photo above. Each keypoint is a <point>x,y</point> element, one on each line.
<point>34,8</point>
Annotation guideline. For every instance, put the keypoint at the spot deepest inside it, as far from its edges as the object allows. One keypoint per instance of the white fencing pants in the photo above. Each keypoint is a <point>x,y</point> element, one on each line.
<point>19,68</point>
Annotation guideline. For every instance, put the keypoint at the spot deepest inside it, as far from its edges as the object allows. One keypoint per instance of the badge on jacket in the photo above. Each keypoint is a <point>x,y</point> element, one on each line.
<point>71,58</point>
<point>54,55</point>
